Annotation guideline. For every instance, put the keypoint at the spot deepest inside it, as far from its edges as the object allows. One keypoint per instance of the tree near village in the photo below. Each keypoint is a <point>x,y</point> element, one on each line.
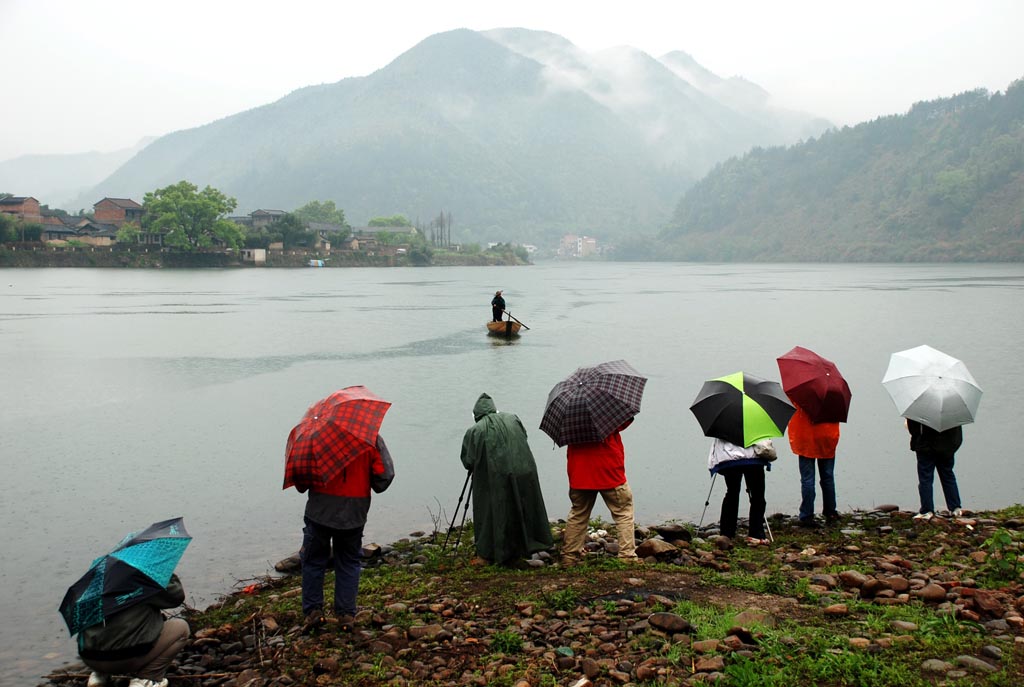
<point>191,219</point>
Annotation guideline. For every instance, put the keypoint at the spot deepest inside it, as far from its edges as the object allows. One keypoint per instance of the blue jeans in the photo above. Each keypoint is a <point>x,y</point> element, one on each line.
<point>826,473</point>
<point>927,465</point>
<point>316,554</point>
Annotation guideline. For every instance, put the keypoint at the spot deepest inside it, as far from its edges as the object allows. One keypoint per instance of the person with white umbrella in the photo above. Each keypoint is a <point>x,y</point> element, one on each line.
<point>937,394</point>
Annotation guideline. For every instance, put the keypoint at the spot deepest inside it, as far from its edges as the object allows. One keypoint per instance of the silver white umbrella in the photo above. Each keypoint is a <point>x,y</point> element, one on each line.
<point>931,387</point>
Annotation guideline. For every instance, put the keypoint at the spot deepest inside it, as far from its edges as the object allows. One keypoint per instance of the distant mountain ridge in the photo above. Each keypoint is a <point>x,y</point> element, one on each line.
<point>945,181</point>
<point>519,134</point>
<point>58,180</point>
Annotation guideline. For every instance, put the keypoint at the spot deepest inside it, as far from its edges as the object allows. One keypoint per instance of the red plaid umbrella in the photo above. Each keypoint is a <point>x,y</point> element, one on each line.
<point>815,385</point>
<point>593,402</point>
<point>332,433</point>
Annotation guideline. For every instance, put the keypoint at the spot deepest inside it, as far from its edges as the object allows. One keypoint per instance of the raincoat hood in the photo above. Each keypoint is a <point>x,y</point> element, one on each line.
<point>484,406</point>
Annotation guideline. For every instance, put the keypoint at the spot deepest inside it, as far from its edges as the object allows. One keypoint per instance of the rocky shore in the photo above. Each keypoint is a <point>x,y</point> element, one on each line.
<point>877,599</point>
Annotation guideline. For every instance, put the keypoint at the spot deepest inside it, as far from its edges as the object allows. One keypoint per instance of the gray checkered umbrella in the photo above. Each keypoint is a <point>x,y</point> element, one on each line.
<point>593,402</point>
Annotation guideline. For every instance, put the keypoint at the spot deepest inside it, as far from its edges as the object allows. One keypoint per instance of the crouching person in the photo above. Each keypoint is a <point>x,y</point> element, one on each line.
<point>333,533</point>
<point>137,641</point>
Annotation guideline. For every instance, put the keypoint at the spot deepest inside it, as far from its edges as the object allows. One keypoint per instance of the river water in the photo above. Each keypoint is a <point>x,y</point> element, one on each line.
<point>135,396</point>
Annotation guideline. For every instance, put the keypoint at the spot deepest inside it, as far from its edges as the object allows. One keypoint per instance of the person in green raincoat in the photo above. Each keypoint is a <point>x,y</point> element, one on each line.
<point>509,518</point>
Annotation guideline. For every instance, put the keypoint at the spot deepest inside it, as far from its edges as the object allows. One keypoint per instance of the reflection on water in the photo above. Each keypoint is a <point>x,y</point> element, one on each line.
<point>181,404</point>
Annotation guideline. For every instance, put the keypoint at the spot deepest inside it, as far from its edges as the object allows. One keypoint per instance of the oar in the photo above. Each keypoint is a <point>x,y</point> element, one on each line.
<point>514,319</point>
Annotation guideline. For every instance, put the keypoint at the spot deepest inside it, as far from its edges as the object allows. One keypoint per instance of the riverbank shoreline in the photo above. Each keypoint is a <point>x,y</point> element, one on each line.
<point>106,257</point>
<point>878,599</point>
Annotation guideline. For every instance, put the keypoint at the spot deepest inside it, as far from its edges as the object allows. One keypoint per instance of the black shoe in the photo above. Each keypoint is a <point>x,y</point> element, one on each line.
<point>809,523</point>
<point>832,519</point>
<point>314,619</point>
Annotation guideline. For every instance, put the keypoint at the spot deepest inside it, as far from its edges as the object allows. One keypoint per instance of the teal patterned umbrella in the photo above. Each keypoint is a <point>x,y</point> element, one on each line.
<point>140,566</point>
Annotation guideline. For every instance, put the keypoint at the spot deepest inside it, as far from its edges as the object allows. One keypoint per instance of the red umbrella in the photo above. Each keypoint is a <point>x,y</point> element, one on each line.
<point>815,385</point>
<point>333,432</point>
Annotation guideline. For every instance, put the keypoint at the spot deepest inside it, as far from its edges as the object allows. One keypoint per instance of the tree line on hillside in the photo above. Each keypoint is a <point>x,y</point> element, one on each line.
<point>945,181</point>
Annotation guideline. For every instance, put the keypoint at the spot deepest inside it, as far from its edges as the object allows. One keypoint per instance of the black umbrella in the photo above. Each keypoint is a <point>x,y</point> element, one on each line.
<point>742,409</point>
<point>593,402</point>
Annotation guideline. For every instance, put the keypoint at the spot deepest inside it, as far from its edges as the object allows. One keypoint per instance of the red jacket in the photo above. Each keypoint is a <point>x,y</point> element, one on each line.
<point>812,440</point>
<point>344,502</point>
<point>597,465</point>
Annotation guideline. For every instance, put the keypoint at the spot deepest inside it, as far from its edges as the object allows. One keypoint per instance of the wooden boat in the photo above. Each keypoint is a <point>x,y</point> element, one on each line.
<point>506,328</point>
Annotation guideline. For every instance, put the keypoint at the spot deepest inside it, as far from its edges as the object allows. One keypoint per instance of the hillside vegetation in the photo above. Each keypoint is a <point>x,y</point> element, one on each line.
<point>945,181</point>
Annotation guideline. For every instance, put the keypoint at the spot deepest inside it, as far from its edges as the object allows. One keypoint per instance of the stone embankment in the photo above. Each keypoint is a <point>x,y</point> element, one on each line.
<point>878,599</point>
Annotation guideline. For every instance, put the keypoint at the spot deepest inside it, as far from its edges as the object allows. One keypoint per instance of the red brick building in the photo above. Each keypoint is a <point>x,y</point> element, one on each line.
<point>23,207</point>
<point>117,211</point>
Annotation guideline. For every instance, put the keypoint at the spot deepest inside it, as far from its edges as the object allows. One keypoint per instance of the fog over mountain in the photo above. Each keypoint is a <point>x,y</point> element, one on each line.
<point>59,180</point>
<point>518,133</point>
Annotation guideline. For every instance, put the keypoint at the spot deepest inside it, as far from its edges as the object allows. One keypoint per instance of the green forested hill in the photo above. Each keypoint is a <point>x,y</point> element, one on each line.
<point>943,182</point>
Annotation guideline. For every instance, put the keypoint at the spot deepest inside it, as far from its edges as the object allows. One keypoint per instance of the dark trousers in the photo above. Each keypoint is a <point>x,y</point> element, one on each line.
<point>754,476</point>
<point>927,465</point>
<point>316,554</point>
<point>496,314</point>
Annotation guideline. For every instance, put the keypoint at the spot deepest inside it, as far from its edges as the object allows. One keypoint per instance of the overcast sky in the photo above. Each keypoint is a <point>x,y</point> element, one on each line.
<point>100,74</point>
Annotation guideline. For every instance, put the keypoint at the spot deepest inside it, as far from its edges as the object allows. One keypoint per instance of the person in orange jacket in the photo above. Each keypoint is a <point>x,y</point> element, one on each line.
<point>815,446</point>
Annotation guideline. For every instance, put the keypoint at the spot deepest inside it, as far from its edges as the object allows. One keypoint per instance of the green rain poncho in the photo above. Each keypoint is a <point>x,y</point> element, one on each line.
<point>509,518</point>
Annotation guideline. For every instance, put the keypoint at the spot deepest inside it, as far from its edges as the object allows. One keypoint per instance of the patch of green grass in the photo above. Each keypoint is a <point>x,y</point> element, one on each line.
<point>562,600</point>
<point>506,642</point>
<point>710,622</point>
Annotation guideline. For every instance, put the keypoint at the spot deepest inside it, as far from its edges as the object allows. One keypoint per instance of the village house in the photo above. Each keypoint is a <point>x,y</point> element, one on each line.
<point>117,211</point>
<point>25,208</point>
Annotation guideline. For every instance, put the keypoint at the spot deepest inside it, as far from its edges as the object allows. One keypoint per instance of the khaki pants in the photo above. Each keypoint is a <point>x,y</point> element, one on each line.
<point>153,665</point>
<point>620,504</point>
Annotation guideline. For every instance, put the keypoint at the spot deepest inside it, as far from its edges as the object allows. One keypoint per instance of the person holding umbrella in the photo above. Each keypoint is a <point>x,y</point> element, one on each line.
<point>936,393</point>
<point>739,464</point>
<point>337,454</point>
<point>822,400</point>
<point>815,447</point>
<point>598,467</point>
<point>509,518</point>
<point>138,641</point>
<point>116,608</point>
<point>741,412</point>
<point>935,453</point>
<point>587,411</point>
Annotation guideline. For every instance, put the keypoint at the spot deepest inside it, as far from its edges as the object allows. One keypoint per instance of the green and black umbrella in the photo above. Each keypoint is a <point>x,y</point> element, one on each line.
<point>742,409</point>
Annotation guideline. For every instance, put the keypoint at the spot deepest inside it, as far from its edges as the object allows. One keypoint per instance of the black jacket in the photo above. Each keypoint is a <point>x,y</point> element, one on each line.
<point>924,439</point>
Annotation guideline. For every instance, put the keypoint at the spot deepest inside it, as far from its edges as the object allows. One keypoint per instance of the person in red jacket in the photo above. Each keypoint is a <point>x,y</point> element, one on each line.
<point>336,515</point>
<point>594,468</point>
<point>815,445</point>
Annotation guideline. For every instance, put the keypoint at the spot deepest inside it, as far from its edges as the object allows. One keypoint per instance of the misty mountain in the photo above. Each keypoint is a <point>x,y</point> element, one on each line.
<point>59,180</point>
<point>945,181</point>
<point>519,134</point>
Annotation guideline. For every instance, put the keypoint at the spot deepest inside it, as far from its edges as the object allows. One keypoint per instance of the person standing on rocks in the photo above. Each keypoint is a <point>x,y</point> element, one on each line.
<point>935,452</point>
<point>335,515</point>
<point>509,518</point>
<point>815,446</point>
<point>738,464</point>
<point>598,467</point>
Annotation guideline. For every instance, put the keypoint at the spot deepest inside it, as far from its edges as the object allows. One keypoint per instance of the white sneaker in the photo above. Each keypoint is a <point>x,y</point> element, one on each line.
<point>924,516</point>
<point>98,680</point>
<point>143,682</point>
<point>958,512</point>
